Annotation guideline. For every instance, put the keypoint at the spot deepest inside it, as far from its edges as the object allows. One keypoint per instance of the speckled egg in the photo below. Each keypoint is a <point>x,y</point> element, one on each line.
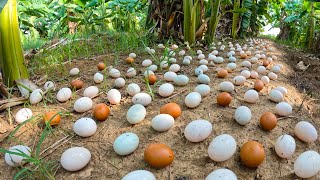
<point>131,72</point>
<point>23,115</point>
<point>142,98</point>
<point>36,96</point>
<point>221,174</point>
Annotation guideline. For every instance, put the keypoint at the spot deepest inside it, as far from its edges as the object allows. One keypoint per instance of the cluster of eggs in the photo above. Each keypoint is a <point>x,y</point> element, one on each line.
<point>159,155</point>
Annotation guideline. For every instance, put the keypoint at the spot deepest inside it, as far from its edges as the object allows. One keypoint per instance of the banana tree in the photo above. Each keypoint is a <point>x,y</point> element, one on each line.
<point>12,62</point>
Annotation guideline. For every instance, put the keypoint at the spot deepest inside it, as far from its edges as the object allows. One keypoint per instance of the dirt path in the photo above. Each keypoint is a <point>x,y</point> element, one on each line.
<point>191,159</point>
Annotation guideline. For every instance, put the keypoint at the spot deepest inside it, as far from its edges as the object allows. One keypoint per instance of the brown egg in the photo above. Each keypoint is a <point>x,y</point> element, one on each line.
<point>158,155</point>
<point>172,109</point>
<point>101,66</point>
<point>266,63</point>
<point>129,60</point>
<point>243,56</point>
<point>101,112</point>
<point>268,121</point>
<point>258,85</point>
<point>152,79</point>
<point>224,99</point>
<point>53,117</point>
<point>252,154</point>
<point>76,84</point>
<point>222,73</point>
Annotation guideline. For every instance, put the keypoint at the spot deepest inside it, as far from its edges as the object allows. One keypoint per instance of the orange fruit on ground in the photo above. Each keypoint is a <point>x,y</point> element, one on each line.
<point>101,66</point>
<point>172,109</point>
<point>129,60</point>
<point>222,73</point>
<point>224,99</point>
<point>101,112</point>
<point>252,154</point>
<point>53,117</point>
<point>158,155</point>
<point>152,79</point>
<point>268,121</point>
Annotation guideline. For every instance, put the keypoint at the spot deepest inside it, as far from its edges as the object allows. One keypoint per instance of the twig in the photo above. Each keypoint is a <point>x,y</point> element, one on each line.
<point>304,98</point>
<point>113,164</point>
<point>3,90</point>
<point>52,150</point>
<point>286,117</point>
<point>54,144</point>
<point>173,95</point>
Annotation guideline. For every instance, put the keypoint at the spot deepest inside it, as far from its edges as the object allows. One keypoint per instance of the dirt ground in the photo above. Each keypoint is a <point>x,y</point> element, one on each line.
<point>191,159</point>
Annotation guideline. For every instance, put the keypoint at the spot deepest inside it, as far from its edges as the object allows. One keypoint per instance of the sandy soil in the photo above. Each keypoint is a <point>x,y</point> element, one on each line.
<point>191,159</point>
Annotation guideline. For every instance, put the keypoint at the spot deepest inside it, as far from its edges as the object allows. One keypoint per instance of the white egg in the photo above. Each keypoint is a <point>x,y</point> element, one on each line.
<point>153,68</point>
<point>188,57</point>
<point>147,73</point>
<point>133,89</point>
<point>221,174</point>
<point>49,85</point>
<point>215,52</point>
<point>203,67</point>
<point>142,98</point>
<point>201,56</point>
<point>91,91</point>
<point>242,115</point>
<point>64,94</point>
<point>186,61</point>
<point>272,76</point>
<point>199,52</point>
<point>262,70</point>
<point>114,96</point>
<point>203,62</point>
<point>198,130</point>
<point>203,90</point>
<point>232,59</point>
<point>161,46</point>
<point>83,104</point>
<point>181,80</point>
<point>276,69</point>
<point>239,80</point>
<point>182,53</point>
<point>139,174</point>
<point>246,64</point>
<point>198,71</point>
<point>211,57</point>
<point>193,99</point>
<point>98,78</point>
<point>115,73</point>
<point>226,86</point>
<point>283,90</point>
<point>126,144</point>
<point>166,90</point>
<point>307,164</point>
<point>85,127</point>
<point>254,74</point>
<point>251,96</point>
<point>306,132</point>
<point>23,115</point>
<point>169,76</point>
<point>275,96</point>
<point>132,55</point>
<point>283,109</point>
<point>218,60</point>
<point>162,122</point>
<point>248,53</point>
<point>74,71</point>
<point>203,79</point>
<point>254,60</point>
<point>174,68</point>
<point>131,72</point>
<point>36,96</point>
<point>222,148</point>
<point>232,66</point>
<point>146,62</point>
<point>245,73</point>
<point>265,80</point>
<point>75,158</point>
<point>164,64</point>
<point>120,82</point>
<point>16,160</point>
<point>136,114</point>
<point>285,146</point>
<point>279,65</point>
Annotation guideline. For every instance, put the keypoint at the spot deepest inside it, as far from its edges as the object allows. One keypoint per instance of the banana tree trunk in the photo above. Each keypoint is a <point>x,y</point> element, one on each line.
<point>310,38</point>
<point>235,19</point>
<point>11,54</point>
<point>214,20</point>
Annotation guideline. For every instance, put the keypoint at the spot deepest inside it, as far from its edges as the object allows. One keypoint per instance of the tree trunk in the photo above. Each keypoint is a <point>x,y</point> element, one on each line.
<point>11,54</point>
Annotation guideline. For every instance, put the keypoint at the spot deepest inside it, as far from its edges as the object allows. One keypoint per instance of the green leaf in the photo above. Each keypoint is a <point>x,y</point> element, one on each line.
<point>2,4</point>
<point>291,18</point>
<point>238,10</point>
